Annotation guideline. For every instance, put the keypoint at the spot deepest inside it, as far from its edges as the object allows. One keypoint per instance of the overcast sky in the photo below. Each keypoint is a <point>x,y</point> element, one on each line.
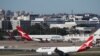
<point>52,6</point>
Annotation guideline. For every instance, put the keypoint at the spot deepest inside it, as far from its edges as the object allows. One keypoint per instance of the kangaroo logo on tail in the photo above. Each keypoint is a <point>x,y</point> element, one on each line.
<point>23,34</point>
<point>86,45</point>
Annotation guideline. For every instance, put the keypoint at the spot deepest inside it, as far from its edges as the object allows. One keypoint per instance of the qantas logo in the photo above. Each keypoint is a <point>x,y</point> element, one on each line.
<point>89,41</point>
<point>22,33</point>
<point>86,45</point>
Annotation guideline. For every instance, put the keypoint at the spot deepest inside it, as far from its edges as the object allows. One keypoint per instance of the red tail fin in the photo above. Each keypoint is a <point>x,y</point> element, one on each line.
<point>86,45</point>
<point>23,34</point>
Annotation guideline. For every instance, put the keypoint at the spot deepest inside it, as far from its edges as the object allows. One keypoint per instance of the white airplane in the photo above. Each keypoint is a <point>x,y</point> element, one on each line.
<point>43,38</point>
<point>63,51</point>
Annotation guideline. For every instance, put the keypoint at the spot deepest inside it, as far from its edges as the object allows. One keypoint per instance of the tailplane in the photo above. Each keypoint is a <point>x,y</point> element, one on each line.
<point>23,34</point>
<point>88,44</point>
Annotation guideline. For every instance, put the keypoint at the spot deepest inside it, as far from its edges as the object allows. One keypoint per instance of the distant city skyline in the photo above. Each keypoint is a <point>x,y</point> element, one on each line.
<point>52,6</point>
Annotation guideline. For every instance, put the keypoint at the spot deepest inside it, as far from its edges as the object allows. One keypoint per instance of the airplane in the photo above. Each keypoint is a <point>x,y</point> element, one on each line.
<point>42,38</point>
<point>64,51</point>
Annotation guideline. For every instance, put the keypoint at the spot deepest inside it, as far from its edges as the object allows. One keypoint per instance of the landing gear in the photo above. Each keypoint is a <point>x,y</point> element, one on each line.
<point>60,53</point>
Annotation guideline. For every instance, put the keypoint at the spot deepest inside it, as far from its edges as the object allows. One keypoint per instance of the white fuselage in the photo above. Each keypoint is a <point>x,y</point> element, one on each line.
<point>46,37</point>
<point>68,49</point>
<point>50,50</point>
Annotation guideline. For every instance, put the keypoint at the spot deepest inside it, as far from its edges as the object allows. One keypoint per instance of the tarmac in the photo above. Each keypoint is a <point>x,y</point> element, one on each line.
<point>32,46</point>
<point>35,45</point>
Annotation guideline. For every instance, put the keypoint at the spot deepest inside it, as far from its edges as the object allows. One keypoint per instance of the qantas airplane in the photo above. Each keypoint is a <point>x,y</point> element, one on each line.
<point>63,51</point>
<point>43,38</point>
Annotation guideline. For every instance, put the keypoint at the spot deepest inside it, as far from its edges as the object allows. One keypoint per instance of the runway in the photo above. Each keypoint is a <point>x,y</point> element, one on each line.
<point>89,53</point>
<point>27,48</point>
<point>35,45</point>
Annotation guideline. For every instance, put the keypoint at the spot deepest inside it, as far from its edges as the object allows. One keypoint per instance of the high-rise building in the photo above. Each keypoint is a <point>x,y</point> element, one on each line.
<point>6,25</point>
<point>33,16</point>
